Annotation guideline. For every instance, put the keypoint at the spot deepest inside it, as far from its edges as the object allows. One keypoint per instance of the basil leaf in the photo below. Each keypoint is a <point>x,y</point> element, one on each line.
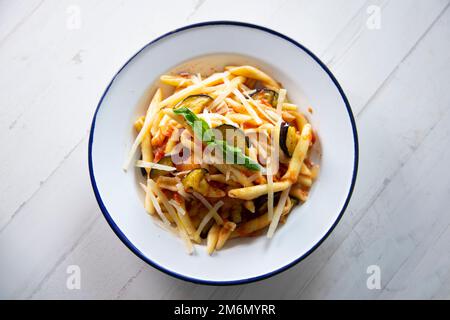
<point>199,126</point>
<point>202,130</point>
<point>237,155</point>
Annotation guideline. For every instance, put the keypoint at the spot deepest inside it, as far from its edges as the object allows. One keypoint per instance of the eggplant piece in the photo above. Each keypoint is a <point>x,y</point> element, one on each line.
<point>288,139</point>
<point>155,173</point>
<point>237,138</point>
<point>294,201</point>
<point>262,201</point>
<point>196,181</point>
<point>205,231</point>
<point>196,103</point>
<point>266,94</point>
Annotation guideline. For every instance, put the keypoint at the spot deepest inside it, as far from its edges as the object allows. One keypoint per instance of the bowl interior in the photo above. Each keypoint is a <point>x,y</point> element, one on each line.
<point>201,49</point>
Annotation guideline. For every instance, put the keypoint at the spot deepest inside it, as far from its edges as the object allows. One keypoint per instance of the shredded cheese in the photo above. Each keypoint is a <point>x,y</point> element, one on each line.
<point>173,214</point>
<point>281,98</point>
<point>182,173</point>
<point>206,117</point>
<point>152,165</point>
<point>275,149</point>
<point>208,217</point>
<point>228,121</point>
<point>181,191</point>
<point>222,108</point>
<point>192,89</point>
<point>240,177</point>
<point>247,106</point>
<point>149,193</point>
<point>278,212</point>
<point>227,175</point>
<point>261,109</point>
<point>269,188</point>
<point>205,202</point>
<point>229,87</point>
<point>274,115</point>
<point>177,207</point>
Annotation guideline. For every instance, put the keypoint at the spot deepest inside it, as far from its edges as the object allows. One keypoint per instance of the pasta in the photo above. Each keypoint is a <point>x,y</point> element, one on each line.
<point>224,156</point>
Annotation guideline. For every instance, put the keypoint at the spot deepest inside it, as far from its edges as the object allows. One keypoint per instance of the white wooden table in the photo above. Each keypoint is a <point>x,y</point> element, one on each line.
<point>392,59</point>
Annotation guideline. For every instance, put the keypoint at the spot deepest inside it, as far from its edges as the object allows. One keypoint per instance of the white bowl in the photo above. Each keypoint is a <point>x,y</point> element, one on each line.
<point>308,82</point>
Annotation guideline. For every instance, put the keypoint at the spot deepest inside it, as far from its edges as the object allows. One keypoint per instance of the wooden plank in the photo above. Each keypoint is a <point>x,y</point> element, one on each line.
<point>314,24</point>
<point>102,260</point>
<point>363,58</point>
<point>13,14</point>
<point>430,270</point>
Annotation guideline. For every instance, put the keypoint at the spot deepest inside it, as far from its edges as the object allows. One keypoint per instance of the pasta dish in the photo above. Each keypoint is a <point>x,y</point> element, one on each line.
<point>223,156</point>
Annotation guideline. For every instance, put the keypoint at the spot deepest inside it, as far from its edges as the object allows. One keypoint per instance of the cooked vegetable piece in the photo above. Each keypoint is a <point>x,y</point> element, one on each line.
<point>196,181</point>
<point>288,139</point>
<point>155,173</point>
<point>205,231</point>
<point>261,202</point>
<point>294,201</point>
<point>196,102</point>
<point>268,95</point>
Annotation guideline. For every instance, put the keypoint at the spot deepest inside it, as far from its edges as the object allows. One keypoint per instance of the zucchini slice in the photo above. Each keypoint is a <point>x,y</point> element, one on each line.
<point>155,173</point>
<point>268,95</point>
<point>234,136</point>
<point>196,103</point>
<point>288,139</point>
<point>196,181</point>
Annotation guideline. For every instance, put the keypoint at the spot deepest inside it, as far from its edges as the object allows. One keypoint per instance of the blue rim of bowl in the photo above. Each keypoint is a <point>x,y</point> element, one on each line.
<point>135,250</point>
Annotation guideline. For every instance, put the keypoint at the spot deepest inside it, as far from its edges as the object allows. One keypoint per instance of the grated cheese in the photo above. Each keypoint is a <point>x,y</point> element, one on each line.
<point>206,117</point>
<point>261,109</point>
<point>192,89</point>
<point>229,87</point>
<point>275,150</point>
<point>181,191</point>
<point>149,193</point>
<point>177,207</point>
<point>281,98</point>
<point>270,188</point>
<point>205,202</point>
<point>247,106</point>
<point>173,214</point>
<point>208,217</point>
<point>152,165</point>
<point>277,215</point>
